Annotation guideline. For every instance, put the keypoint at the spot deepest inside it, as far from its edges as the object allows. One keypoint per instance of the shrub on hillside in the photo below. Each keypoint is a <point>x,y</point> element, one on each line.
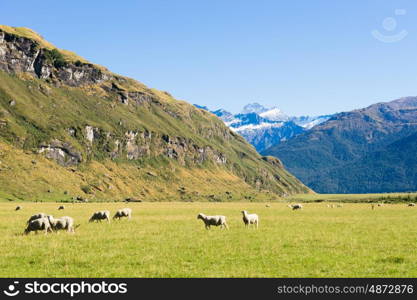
<point>56,58</point>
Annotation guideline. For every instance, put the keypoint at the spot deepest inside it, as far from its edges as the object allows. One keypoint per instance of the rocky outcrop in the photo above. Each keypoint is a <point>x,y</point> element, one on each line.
<point>63,153</point>
<point>20,54</point>
<point>133,145</point>
<point>80,75</point>
<point>138,144</point>
<point>17,54</point>
<point>89,131</point>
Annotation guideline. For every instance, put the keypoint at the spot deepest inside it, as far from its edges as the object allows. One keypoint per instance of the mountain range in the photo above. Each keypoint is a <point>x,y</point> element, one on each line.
<point>368,150</point>
<point>70,128</point>
<point>265,127</point>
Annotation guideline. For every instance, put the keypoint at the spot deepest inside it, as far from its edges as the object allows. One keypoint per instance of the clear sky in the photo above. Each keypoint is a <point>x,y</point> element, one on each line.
<point>304,56</point>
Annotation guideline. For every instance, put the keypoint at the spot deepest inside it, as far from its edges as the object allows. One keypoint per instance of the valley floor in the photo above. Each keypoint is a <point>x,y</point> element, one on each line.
<point>167,240</point>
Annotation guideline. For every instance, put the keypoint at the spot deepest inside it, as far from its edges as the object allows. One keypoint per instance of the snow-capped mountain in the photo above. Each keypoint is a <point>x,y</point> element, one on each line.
<point>265,127</point>
<point>274,114</point>
<point>265,135</point>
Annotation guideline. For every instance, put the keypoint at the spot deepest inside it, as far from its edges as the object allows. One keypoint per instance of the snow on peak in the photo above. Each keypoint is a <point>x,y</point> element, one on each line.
<point>257,126</point>
<point>309,122</point>
<point>274,114</point>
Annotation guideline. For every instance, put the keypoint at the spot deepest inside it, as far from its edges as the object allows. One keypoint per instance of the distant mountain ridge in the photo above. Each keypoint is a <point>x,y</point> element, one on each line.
<point>265,127</point>
<point>366,150</point>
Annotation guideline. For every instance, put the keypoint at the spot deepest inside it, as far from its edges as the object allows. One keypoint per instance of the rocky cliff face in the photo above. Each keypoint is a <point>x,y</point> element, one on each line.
<point>20,54</point>
<point>76,113</point>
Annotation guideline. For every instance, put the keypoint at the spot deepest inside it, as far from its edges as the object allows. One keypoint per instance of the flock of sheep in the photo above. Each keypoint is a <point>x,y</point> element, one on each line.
<point>48,223</point>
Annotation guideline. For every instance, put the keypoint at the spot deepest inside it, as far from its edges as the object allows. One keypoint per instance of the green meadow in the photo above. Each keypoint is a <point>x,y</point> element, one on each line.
<point>166,240</point>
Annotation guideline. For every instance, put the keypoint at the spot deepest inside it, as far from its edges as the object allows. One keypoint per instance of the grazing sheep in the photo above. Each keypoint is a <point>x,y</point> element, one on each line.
<point>18,208</point>
<point>132,200</point>
<point>411,204</point>
<point>100,215</point>
<point>63,223</point>
<point>39,224</point>
<point>213,220</point>
<point>267,205</point>
<point>380,204</point>
<point>123,213</point>
<point>61,207</point>
<point>37,216</point>
<point>250,219</point>
<point>295,206</point>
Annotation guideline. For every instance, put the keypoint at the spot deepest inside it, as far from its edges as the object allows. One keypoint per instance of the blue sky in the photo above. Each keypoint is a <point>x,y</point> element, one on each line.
<point>306,57</point>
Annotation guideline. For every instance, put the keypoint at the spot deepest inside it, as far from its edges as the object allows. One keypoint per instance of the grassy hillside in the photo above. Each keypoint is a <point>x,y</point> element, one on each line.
<point>110,137</point>
<point>25,176</point>
<point>393,168</point>
<point>353,241</point>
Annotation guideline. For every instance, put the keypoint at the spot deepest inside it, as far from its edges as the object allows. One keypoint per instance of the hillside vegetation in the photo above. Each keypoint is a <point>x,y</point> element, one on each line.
<point>69,128</point>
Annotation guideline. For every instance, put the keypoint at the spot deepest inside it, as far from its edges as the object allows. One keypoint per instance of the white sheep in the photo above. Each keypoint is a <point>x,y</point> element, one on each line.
<point>63,223</point>
<point>39,224</point>
<point>250,219</point>
<point>295,206</point>
<point>100,215</point>
<point>213,220</point>
<point>123,213</point>
<point>411,204</point>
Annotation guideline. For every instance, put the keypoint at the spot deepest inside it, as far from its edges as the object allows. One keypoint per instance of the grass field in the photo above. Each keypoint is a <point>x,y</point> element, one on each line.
<point>166,240</point>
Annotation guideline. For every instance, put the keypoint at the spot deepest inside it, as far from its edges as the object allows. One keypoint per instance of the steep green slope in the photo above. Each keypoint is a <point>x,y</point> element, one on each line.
<point>324,157</point>
<point>392,169</point>
<point>74,128</point>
